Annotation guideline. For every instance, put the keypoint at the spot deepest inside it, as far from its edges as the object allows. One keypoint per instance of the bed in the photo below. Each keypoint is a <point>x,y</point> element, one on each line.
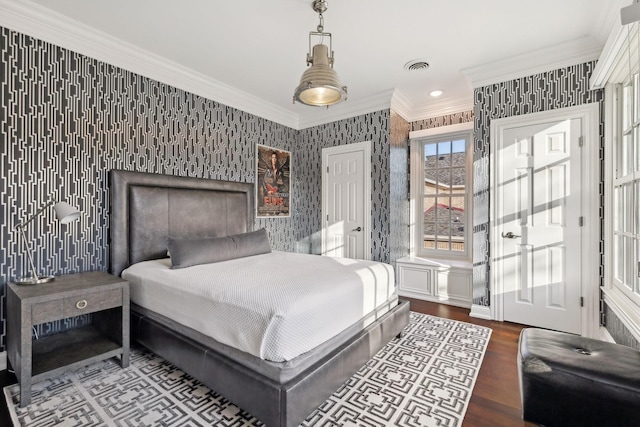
<point>279,389</point>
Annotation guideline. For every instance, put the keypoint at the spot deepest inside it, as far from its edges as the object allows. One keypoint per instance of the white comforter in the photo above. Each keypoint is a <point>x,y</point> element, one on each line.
<point>274,306</point>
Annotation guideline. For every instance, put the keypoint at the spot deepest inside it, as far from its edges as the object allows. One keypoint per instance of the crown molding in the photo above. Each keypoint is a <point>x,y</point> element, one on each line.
<point>44,24</point>
<point>429,108</point>
<point>36,21</point>
<point>616,46</point>
<point>458,127</point>
<point>401,106</point>
<point>444,108</point>
<point>315,116</point>
<point>562,55</point>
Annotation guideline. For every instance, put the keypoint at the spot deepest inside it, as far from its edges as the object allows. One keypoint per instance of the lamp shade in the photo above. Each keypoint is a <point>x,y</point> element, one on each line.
<point>65,213</point>
<point>320,85</point>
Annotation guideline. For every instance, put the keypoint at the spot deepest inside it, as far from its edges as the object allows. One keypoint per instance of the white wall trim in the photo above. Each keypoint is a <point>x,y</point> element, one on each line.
<point>42,23</point>
<point>589,114</point>
<point>624,309</point>
<point>610,56</point>
<point>3,361</point>
<point>614,47</point>
<point>442,108</point>
<point>481,312</point>
<point>459,127</point>
<point>578,51</point>
<point>433,108</point>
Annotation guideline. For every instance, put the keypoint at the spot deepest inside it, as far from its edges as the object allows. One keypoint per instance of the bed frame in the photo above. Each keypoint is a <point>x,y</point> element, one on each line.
<point>145,209</point>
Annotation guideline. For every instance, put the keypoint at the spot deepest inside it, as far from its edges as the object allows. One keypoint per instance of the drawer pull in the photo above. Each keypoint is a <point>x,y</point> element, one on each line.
<point>82,304</point>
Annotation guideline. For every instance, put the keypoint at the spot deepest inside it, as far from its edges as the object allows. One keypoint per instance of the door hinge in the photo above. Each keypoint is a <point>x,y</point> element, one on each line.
<point>581,141</point>
<point>580,221</point>
<point>327,217</point>
<point>581,301</point>
<point>327,169</point>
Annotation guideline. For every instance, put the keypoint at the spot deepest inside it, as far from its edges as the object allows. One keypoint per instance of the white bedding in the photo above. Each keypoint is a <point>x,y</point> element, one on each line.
<point>274,306</point>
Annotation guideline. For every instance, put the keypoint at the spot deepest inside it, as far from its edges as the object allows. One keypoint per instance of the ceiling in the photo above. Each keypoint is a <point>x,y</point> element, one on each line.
<point>250,54</point>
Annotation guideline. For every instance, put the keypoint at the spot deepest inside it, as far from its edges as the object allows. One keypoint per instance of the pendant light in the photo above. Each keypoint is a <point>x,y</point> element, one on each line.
<point>320,85</point>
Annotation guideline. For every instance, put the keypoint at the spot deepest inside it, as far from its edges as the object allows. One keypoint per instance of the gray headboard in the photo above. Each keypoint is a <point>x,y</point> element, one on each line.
<point>146,208</point>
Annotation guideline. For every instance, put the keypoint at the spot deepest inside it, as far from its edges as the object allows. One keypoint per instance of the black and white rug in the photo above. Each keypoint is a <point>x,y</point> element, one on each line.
<point>423,379</point>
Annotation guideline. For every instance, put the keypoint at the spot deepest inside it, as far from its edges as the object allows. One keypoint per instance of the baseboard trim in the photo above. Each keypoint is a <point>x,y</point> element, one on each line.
<point>481,312</point>
<point>3,361</point>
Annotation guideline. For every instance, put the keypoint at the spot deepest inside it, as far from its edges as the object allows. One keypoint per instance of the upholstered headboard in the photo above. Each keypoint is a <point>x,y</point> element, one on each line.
<point>147,208</point>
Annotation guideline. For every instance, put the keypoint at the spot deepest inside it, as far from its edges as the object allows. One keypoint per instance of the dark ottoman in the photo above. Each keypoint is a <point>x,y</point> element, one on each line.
<point>567,380</point>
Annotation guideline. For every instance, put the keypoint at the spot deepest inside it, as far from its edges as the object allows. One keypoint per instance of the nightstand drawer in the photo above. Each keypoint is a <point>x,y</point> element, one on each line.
<point>47,311</point>
<point>75,306</point>
<point>90,302</point>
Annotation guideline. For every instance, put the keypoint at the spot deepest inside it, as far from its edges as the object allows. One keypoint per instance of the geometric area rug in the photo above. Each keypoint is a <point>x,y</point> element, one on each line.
<point>423,379</point>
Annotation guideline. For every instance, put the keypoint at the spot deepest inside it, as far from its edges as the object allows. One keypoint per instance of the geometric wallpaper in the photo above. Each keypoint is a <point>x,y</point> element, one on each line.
<point>399,188</point>
<point>67,119</point>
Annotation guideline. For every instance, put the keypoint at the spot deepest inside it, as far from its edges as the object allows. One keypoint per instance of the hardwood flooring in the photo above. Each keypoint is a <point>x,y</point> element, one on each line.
<point>496,398</point>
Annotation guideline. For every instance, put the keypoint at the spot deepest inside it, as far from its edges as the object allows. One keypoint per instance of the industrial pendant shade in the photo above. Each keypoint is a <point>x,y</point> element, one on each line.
<point>320,85</point>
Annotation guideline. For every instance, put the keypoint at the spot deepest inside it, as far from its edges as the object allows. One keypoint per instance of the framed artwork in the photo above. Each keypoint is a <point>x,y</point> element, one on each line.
<point>273,174</point>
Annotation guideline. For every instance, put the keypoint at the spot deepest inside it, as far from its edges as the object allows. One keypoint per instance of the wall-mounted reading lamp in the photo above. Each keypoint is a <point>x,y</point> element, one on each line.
<point>65,213</point>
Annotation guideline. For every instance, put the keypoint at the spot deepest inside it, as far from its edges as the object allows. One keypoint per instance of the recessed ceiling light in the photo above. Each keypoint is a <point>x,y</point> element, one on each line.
<point>435,93</point>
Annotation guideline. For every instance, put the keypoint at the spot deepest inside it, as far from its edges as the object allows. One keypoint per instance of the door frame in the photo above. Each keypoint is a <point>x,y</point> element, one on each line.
<point>589,206</point>
<point>365,147</point>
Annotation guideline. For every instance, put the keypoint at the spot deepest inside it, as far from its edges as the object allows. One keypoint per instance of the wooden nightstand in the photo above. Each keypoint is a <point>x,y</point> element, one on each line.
<point>104,295</point>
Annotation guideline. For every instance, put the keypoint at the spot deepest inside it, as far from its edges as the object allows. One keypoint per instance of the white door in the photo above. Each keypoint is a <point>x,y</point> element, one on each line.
<point>346,201</point>
<point>539,224</point>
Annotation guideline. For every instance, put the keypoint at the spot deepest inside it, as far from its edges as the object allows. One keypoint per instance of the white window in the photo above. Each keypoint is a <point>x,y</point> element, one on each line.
<point>617,71</point>
<point>441,193</point>
<point>626,189</point>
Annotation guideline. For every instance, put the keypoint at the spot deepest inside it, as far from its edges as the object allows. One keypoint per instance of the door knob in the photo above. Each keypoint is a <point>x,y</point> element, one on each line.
<point>509,235</point>
<point>357,229</point>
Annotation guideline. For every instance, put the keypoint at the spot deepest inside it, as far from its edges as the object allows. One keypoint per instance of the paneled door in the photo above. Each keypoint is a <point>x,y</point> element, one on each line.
<point>538,191</point>
<point>346,201</point>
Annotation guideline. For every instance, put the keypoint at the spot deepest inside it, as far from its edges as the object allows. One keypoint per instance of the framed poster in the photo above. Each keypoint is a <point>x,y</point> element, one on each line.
<point>273,173</point>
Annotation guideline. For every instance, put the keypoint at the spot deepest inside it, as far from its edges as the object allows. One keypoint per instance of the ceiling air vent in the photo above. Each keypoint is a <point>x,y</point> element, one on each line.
<point>416,65</point>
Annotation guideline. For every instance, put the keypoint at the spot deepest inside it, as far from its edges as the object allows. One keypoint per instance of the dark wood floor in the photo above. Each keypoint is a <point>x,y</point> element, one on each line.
<point>495,401</point>
<point>496,395</point>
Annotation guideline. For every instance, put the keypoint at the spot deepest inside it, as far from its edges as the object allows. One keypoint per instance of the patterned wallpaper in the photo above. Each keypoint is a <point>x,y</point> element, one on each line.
<point>372,127</point>
<point>68,119</point>
<point>565,87</point>
<point>399,186</point>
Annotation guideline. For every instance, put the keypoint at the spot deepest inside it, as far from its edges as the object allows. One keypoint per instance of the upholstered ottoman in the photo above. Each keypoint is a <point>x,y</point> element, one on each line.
<point>567,380</point>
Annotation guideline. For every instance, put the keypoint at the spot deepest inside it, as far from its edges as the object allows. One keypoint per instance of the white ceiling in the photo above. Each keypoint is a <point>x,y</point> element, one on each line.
<point>250,54</point>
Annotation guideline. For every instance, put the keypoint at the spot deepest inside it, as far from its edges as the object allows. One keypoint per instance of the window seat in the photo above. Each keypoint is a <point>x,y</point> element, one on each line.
<point>442,281</point>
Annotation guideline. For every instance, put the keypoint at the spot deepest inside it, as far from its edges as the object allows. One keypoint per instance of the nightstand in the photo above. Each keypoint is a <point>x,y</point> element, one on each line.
<point>104,295</point>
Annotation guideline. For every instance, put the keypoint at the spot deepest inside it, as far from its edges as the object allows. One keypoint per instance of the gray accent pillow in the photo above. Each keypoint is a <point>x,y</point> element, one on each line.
<point>188,252</point>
